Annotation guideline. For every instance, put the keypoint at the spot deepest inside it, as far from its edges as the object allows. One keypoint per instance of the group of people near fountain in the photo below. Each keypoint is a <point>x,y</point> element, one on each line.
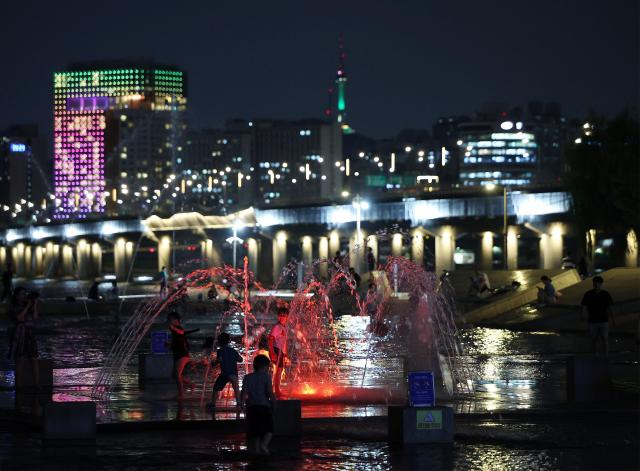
<point>257,396</point>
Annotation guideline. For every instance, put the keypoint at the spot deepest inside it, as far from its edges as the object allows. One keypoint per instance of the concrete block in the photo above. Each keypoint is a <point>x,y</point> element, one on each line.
<point>420,424</point>
<point>155,367</point>
<point>69,421</point>
<point>588,378</point>
<point>45,375</point>
<point>287,418</point>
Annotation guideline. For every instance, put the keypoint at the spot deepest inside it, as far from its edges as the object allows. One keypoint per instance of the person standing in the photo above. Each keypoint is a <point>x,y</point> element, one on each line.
<point>23,345</point>
<point>7,282</point>
<point>278,347</point>
<point>371,259</point>
<point>257,394</point>
<point>597,309</point>
<point>164,280</point>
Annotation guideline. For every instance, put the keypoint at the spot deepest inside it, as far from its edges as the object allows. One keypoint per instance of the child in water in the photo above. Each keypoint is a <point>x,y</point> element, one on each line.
<point>278,346</point>
<point>180,350</point>
<point>257,394</point>
<point>228,359</point>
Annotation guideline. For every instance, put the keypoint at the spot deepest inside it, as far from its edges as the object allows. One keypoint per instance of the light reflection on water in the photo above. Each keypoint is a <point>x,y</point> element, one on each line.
<point>514,369</point>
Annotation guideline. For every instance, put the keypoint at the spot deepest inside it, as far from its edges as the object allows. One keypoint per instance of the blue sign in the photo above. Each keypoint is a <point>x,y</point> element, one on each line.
<point>422,391</point>
<point>159,342</point>
<point>18,147</point>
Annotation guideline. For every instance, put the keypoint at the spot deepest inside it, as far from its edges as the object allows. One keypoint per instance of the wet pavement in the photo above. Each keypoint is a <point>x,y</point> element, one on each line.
<point>486,445</point>
<point>518,418</point>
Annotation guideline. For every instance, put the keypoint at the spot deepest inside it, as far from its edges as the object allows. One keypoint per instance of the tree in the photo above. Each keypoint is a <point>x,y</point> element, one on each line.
<point>603,176</point>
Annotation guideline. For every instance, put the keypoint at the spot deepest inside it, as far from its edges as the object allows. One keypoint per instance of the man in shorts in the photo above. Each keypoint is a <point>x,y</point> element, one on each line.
<point>597,308</point>
<point>278,347</point>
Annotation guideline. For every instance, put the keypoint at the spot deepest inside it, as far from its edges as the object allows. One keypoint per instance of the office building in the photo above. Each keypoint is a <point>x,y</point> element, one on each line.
<point>502,153</point>
<point>218,162</point>
<point>296,161</point>
<point>23,170</point>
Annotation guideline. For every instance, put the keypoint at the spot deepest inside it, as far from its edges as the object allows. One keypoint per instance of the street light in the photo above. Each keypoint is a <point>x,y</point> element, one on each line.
<point>359,204</point>
<point>491,187</point>
<point>237,225</point>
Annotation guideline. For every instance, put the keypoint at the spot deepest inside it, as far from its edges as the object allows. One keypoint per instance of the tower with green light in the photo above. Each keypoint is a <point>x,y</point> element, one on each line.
<point>341,85</point>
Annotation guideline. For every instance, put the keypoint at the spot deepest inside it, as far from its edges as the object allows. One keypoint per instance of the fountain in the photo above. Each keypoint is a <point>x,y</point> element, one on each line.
<point>339,331</point>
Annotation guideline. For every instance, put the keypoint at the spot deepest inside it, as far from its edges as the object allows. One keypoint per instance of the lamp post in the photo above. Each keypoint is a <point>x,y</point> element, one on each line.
<point>359,204</point>
<point>235,240</point>
<point>491,187</point>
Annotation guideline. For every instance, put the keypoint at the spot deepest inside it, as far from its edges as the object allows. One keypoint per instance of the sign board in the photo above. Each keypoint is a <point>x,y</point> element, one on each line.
<point>159,342</point>
<point>422,391</point>
<point>429,419</point>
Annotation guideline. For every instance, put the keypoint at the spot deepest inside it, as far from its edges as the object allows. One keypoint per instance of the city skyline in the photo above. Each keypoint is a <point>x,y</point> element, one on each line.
<point>278,62</point>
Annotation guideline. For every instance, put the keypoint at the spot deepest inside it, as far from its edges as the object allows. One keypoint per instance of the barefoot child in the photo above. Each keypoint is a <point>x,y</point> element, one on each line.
<point>257,394</point>
<point>228,359</point>
<point>180,350</point>
<point>278,346</point>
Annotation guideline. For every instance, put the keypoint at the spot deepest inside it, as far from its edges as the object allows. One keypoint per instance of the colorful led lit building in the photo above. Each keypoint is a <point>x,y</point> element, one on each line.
<point>118,129</point>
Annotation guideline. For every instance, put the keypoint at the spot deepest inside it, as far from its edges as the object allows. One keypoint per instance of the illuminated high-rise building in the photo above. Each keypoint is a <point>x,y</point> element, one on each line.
<point>502,153</point>
<point>118,129</point>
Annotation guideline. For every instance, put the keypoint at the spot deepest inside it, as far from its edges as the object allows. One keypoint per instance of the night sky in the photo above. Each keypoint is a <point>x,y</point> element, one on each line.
<point>408,62</point>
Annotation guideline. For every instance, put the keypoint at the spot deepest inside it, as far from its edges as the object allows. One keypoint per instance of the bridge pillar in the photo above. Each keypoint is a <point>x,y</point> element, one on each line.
<point>38,260</point>
<point>323,254</point>
<point>417,246</point>
<point>631,254</point>
<point>357,251</point>
<point>67,261</point>
<point>307,251</point>
<point>51,265</point>
<point>279,254</point>
<point>372,241</point>
<point>96,260</point>
<point>83,258</point>
<point>210,254</point>
<point>253,252</point>
<point>396,245</point>
<point>552,247</point>
<point>512,248</point>
<point>164,253</point>
<point>122,258</point>
<point>445,246</point>
<point>17,255</point>
<point>334,243</point>
<point>28,261</point>
<point>486,251</point>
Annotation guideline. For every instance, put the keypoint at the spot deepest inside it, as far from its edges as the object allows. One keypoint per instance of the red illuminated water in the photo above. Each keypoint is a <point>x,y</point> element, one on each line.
<point>316,360</point>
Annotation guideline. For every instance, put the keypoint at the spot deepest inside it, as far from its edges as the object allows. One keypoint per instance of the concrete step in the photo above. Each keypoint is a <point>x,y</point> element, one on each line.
<point>519,298</point>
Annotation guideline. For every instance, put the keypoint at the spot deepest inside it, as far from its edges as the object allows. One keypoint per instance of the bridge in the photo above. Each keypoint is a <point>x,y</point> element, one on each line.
<point>438,232</point>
